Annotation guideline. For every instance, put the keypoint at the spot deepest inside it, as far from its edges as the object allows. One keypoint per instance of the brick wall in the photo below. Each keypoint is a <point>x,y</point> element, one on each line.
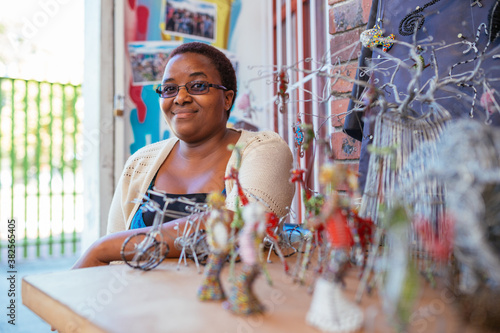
<point>348,18</point>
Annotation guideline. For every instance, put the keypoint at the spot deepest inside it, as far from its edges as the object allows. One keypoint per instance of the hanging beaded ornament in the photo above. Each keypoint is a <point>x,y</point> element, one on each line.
<point>374,37</point>
<point>414,20</point>
<point>494,22</point>
<point>283,95</point>
<point>299,138</point>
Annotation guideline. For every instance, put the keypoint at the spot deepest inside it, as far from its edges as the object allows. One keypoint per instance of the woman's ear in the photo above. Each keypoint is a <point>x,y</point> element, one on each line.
<point>229,99</point>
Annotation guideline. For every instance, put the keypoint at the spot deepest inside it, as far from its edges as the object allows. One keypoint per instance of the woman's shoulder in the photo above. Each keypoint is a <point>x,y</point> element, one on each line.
<point>267,136</point>
<point>264,143</point>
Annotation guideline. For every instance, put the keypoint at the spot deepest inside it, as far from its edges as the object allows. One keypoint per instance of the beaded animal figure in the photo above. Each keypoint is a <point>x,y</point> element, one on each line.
<point>373,37</point>
<point>304,135</point>
<point>283,95</point>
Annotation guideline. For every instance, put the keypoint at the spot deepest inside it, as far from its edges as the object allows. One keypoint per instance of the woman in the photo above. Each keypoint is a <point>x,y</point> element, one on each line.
<point>196,96</point>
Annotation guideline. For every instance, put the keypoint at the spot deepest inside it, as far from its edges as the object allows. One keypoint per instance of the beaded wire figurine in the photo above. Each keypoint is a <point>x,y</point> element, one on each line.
<point>330,311</point>
<point>242,199</point>
<point>242,300</point>
<point>147,250</point>
<point>251,221</point>
<point>399,281</point>
<point>312,238</point>
<point>303,136</point>
<point>192,243</point>
<point>272,225</point>
<point>283,95</point>
<point>373,37</point>
<point>217,226</point>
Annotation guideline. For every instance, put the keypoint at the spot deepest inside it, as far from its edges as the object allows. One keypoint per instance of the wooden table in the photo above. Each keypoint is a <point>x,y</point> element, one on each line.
<point>119,299</point>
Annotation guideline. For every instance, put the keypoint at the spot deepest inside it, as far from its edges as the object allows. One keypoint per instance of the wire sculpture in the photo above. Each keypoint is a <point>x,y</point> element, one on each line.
<point>192,243</point>
<point>146,251</point>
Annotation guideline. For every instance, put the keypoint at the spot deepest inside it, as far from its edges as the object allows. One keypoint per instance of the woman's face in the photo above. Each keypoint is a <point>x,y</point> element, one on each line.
<point>194,118</point>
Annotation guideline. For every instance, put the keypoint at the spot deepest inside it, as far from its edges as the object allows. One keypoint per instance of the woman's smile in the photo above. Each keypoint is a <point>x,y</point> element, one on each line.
<point>184,113</point>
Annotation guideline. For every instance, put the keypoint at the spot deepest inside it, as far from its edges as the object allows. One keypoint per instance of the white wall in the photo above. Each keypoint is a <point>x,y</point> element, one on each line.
<point>252,44</point>
<point>98,124</point>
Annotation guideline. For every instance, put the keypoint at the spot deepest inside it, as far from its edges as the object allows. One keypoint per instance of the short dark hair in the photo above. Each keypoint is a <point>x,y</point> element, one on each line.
<point>222,64</point>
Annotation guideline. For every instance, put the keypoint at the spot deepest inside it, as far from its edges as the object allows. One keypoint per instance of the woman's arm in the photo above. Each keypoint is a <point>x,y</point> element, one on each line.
<point>107,248</point>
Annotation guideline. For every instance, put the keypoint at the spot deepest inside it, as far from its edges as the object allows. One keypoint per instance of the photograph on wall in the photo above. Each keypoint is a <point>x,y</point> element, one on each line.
<point>190,19</point>
<point>148,60</point>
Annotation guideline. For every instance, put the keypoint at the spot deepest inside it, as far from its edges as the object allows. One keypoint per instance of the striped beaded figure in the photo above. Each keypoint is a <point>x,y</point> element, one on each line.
<point>217,227</point>
<point>242,300</point>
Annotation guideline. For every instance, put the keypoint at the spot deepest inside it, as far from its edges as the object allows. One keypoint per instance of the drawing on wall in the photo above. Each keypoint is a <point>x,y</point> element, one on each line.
<point>191,19</point>
<point>148,60</point>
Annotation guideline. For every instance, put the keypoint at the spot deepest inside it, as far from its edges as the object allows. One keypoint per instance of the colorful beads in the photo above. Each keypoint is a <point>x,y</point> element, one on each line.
<point>373,37</point>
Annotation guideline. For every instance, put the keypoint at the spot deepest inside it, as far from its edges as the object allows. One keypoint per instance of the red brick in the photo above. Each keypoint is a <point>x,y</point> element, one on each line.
<point>366,7</point>
<point>339,108</point>
<point>349,41</point>
<point>348,15</point>
<point>344,147</point>
<point>342,77</point>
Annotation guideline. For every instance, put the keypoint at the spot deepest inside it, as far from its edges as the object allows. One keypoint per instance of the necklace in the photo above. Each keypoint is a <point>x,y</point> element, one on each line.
<point>414,19</point>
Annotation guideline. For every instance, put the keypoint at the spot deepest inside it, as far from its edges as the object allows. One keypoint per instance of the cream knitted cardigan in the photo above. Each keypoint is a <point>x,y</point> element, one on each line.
<point>266,161</point>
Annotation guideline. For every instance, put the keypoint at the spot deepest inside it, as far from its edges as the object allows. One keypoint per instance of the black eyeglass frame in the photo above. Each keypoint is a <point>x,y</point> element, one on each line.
<point>188,87</point>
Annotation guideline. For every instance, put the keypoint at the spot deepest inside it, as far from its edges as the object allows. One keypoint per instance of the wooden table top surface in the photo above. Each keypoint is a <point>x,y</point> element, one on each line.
<point>119,299</point>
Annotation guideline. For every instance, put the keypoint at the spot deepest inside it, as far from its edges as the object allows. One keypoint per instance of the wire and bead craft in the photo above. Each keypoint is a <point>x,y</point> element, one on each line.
<point>242,299</point>
<point>218,234</point>
<point>330,310</point>
<point>147,250</point>
<point>192,243</point>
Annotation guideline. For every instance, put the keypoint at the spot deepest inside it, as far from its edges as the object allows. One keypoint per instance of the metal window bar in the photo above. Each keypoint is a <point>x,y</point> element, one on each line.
<point>40,170</point>
<point>293,40</point>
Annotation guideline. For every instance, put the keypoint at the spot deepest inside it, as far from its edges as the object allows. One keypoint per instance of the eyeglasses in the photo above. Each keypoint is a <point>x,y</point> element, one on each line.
<point>169,90</point>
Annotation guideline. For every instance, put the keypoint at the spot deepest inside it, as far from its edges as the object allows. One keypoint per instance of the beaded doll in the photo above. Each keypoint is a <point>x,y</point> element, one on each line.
<point>242,300</point>
<point>217,227</point>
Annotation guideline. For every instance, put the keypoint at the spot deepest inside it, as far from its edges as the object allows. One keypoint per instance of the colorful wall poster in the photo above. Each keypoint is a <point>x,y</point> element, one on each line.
<point>190,19</point>
<point>148,60</point>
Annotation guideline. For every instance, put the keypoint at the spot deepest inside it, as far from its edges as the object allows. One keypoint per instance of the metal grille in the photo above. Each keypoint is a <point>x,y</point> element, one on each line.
<point>41,180</point>
<point>301,46</point>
